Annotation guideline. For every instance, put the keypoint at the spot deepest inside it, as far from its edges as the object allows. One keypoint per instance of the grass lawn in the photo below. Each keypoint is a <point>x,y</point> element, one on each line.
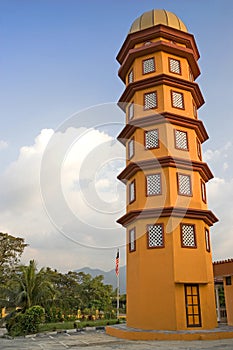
<point>70,325</point>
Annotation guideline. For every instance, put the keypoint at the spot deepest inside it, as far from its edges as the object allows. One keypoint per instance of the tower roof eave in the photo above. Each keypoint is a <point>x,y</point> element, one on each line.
<point>145,35</point>
<point>160,79</point>
<point>160,45</point>
<point>206,215</point>
<point>164,117</point>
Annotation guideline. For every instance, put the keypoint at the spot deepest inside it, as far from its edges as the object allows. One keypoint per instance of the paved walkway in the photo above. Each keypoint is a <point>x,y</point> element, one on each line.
<point>95,340</point>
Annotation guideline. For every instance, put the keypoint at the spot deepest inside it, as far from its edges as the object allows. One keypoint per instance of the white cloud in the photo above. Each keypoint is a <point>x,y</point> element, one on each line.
<point>3,144</point>
<point>220,195</point>
<point>81,157</point>
<point>83,199</point>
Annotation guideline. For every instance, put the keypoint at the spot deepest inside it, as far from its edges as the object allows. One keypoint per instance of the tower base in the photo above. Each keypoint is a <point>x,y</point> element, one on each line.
<point>124,332</point>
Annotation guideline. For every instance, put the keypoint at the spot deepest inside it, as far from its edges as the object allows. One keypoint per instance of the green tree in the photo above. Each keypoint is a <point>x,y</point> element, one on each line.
<point>32,287</point>
<point>11,249</point>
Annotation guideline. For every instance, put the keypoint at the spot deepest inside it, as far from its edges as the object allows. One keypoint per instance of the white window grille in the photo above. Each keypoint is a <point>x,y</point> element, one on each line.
<point>155,236</point>
<point>132,240</point>
<point>132,191</point>
<point>194,110</point>
<point>181,139</point>
<point>152,139</point>
<point>131,111</point>
<point>184,183</point>
<point>177,100</point>
<point>148,66</point>
<point>207,240</point>
<point>199,148</point>
<point>153,184</point>
<point>131,148</point>
<point>131,77</point>
<point>174,66</point>
<point>191,77</point>
<point>188,236</point>
<point>150,100</point>
<point>203,191</point>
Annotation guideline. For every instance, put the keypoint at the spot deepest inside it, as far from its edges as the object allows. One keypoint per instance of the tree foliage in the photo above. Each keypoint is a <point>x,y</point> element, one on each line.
<point>32,287</point>
<point>61,295</point>
<point>11,249</point>
<point>26,322</point>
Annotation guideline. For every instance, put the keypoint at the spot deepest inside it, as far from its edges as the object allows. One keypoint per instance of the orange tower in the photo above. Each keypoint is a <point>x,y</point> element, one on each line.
<point>169,264</point>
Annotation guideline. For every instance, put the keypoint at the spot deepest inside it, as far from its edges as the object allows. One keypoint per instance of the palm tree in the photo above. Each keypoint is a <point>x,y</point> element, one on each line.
<point>32,287</point>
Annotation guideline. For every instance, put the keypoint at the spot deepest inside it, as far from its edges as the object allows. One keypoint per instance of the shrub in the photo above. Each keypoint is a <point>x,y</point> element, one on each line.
<point>26,323</point>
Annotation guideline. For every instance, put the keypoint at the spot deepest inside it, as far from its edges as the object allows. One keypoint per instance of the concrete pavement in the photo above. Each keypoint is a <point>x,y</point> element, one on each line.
<point>94,340</point>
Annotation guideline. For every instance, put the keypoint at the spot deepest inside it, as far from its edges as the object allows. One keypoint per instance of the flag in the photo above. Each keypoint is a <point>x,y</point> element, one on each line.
<point>117,263</point>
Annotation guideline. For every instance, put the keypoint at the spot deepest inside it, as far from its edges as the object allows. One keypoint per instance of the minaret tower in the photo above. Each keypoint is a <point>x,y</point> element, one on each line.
<point>169,261</point>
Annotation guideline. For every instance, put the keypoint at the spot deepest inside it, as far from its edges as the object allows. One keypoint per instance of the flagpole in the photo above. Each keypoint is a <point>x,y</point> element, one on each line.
<point>118,295</point>
<point>118,283</point>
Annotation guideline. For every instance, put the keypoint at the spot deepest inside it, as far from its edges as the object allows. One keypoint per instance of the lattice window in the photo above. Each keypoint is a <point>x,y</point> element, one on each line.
<point>131,77</point>
<point>148,65</point>
<point>194,110</point>
<point>188,238</point>
<point>174,66</point>
<point>132,192</point>
<point>150,100</point>
<point>181,139</point>
<point>155,236</point>
<point>191,77</point>
<point>153,184</point>
<point>131,111</point>
<point>152,139</point>
<point>131,148</point>
<point>207,240</point>
<point>132,240</point>
<point>199,148</point>
<point>177,100</point>
<point>184,184</point>
<point>203,191</point>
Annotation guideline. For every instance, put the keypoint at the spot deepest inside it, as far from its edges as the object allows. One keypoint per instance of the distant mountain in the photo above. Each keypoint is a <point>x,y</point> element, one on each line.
<point>109,276</point>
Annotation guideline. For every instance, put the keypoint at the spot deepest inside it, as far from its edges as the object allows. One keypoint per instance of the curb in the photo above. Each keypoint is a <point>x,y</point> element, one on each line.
<point>68,331</point>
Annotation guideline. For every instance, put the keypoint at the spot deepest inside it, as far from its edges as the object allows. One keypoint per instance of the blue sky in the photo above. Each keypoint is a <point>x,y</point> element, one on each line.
<point>59,56</point>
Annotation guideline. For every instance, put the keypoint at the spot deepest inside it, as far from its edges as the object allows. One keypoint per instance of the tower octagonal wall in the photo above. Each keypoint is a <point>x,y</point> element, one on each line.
<point>169,255</point>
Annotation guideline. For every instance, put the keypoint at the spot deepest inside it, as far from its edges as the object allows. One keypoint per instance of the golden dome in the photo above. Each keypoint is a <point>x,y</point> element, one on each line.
<point>154,17</point>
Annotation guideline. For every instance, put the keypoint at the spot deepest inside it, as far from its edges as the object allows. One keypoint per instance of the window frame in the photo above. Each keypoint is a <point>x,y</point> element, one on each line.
<point>128,148</point>
<point>203,191</point>
<point>163,236</point>
<point>207,240</point>
<point>176,146</point>
<point>133,229</point>
<point>178,185</point>
<point>132,183</point>
<point>145,133</point>
<point>169,65</point>
<point>187,305</point>
<point>146,180</point>
<point>194,235</point>
<point>144,100</point>
<point>131,73</point>
<point>194,110</point>
<point>130,105</point>
<point>143,67</point>
<point>182,96</point>
<point>199,153</point>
